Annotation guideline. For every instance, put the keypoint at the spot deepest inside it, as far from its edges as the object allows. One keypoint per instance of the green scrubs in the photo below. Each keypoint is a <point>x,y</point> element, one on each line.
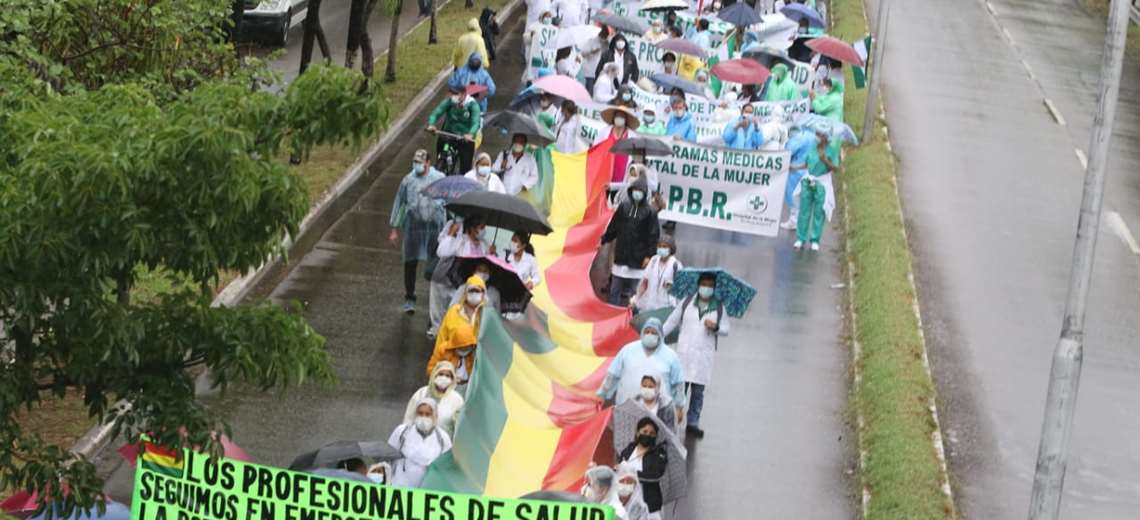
<point>813,194</point>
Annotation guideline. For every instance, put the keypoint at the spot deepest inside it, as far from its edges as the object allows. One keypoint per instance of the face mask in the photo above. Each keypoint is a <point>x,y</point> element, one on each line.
<point>465,351</point>
<point>482,276</point>
<point>679,112</point>
<point>484,171</point>
<point>457,99</point>
<point>424,424</point>
<point>418,168</point>
<point>648,394</point>
<point>637,196</point>
<point>663,252</point>
<point>650,341</point>
<point>705,292</point>
<point>647,440</point>
<point>516,247</point>
<point>376,478</point>
<point>747,115</point>
<point>442,382</point>
<point>649,119</point>
<point>518,148</point>
<point>627,96</point>
<point>625,490</point>
<point>474,298</point>
<point>619,122</point>
<point>716,6</point>
<point>546,21</point>
<point>619,45</point>
<point>545,103</point>
<point>473,65</point>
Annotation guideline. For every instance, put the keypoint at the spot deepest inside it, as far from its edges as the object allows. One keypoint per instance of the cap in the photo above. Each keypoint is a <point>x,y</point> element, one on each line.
<point>420,156</point>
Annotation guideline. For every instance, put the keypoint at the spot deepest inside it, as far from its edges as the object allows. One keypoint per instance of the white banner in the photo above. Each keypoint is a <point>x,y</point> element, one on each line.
<point>708,128</point>
<point>720,188</point>
<point>537,57</point>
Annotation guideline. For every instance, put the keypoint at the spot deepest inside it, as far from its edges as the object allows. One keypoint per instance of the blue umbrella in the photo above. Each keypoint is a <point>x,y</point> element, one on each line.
<point>739,14</point>
<point>798,12</point>
<point>834,129</point>
<point>114,511</point>
<point>735,294</point>
<point>672,81</point>
<point>451,187</point>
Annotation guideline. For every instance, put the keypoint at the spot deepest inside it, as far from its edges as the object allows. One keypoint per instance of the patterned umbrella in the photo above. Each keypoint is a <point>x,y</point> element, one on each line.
<point>674,484</point>
<point>451,188</point>
<point>735,294</point>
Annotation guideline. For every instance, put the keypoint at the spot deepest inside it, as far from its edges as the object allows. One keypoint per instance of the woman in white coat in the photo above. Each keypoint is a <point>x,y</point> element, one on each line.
<point>657,278</point>
<point>702,322</point>
<point>420,443</point>
<point>482,172</point>
<point>441,388</point>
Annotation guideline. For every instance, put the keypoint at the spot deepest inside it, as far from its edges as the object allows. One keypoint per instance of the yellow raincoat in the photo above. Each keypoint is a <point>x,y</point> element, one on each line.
<point>457,331</point>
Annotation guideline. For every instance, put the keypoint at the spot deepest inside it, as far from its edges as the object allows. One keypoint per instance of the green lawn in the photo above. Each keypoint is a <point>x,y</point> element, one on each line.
<point>901,470</point>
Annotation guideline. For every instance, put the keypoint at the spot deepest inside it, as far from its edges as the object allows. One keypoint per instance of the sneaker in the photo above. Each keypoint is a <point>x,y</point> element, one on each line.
<point>409,307</point>
<point>799,244</point>
<point>787,224</point>
<point>696,432</point>
<point>815,246</point>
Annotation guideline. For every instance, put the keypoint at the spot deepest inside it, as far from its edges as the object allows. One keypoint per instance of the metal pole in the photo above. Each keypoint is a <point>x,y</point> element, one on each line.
<point>873,60</point>
<point>1065,376</point>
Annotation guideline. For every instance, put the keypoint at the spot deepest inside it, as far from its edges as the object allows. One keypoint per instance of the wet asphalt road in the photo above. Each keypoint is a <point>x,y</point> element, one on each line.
<point>991,187</point>
<point>776,445</point>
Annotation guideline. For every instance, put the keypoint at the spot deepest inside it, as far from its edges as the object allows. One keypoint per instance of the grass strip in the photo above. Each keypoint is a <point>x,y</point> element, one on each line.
<point>901,469</point>
<point>417,63</point>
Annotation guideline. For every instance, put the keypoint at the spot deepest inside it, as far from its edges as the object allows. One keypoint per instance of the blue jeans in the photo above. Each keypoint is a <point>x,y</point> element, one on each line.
<point>696,403</point>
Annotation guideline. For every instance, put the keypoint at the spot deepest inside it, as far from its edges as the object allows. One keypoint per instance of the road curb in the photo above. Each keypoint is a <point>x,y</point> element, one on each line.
<point>98,437</point>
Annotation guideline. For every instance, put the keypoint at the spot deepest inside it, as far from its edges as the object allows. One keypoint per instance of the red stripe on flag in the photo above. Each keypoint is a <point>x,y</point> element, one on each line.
<point>571,458</point>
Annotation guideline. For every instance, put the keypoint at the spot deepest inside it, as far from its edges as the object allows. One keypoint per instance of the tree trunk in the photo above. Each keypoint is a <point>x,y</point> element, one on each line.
<point>393,42</point>
<point>355,21</point>
<point>367,54</point>
<point>431,33</point>
<point>313,30</point>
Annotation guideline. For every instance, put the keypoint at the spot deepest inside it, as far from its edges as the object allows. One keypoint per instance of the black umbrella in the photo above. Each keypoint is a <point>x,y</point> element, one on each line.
<point>673,81</point>
<point>623,23</point>
<point>510,122</point>
<point>340,451</point>
<point>513,294</point>
<point>501,210</point>
<point>739,14</point>
<point>647,146</point>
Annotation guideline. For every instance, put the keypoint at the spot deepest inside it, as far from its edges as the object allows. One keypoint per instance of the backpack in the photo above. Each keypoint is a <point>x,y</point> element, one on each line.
<point>675,335</point>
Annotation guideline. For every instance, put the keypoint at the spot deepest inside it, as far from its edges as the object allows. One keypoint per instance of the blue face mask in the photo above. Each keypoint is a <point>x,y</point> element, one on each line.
<point>627,96</point>
<point>484,171</point>
<point>418,168</point>
<point>663,252</point>
<point>705,292</point>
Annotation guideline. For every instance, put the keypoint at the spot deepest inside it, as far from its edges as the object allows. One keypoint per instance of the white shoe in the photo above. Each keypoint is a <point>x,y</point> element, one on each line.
<point>787,224</point>
<point>815,246</point>
<point>799,244</point>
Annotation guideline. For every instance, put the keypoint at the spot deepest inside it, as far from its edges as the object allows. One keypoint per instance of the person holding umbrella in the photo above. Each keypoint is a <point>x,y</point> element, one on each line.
<point>420,443</point>
<point>420,219</point>
<point>452,243</point>
<point>649,460</point>
<point>516,167</point>
<point>700,321</point>
<point>741,133</point>
<point>634,231</point>
<point>441,389</point>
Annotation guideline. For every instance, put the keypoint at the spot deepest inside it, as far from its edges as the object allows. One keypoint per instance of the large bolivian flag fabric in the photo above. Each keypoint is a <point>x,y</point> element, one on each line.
<point>532,420</point>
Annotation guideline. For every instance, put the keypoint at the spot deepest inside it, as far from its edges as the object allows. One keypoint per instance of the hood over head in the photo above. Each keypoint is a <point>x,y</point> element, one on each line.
<point>652,323</point>
<point>780,71</point>
<point>473,25</point>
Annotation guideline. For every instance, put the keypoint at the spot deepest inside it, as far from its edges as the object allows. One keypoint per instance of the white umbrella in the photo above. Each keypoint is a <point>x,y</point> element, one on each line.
<point>664,4</point>
<point>572,36</point>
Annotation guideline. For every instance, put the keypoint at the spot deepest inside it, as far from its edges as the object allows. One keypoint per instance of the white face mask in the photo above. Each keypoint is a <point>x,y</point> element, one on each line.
<point>648,394</point>
<point>619,122</point>
<point>424,424</point>
<point>516,247</point>
<point>457,99</point>
<point>474,298</point>
<point>376,478</point>
<point>625,490</point>
<point>442,382</point>
<point>483,171</point>
<point>650,341</point>
<point>518,148</point>
<point>619,45</point>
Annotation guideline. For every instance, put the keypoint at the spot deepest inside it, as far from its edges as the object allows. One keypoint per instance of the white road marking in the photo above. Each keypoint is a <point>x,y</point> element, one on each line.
<point>1060,119</point>
<point>1082,157</point>
<point>1116,222</point>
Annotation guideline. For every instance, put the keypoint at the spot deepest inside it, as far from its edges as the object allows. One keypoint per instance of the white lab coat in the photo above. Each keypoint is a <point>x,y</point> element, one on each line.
<point>696,344</point>
<point>570,12</point>
<point>568,66</point>
<point>491,183</point>
<point>459,245</point>
<point>447,410</point>
<point>604,90</point>
<point>534,9</point>
<point>526,267</point>
<point>567,131</point>
<point>775,135</point>
<point>419,452</point>
<point>657,277</point>
<point>519,174</point>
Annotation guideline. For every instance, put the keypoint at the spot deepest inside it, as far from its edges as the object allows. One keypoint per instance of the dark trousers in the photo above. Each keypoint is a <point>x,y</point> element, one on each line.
<point>696,403</point>
<point>621,289</point>
<point>466,153</point>
<point>410,279</point>
<point>425,7</point>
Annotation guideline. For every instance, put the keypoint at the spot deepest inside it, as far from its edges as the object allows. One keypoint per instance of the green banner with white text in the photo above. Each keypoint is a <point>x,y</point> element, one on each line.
<point>199,487</point>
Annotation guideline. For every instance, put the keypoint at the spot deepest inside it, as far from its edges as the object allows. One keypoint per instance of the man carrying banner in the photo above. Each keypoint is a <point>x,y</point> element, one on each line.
<point>817,197</point>
<point>681,125</point>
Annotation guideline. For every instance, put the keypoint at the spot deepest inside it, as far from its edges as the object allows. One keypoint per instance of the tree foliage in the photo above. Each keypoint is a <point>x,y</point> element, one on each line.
<point>134,137</point>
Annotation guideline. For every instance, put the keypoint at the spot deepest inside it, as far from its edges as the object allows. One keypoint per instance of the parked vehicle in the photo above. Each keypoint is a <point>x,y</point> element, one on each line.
<point>272,19</point>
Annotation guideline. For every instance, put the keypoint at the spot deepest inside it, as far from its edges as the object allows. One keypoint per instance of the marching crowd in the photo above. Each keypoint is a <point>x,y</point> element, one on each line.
<point>666,370</point>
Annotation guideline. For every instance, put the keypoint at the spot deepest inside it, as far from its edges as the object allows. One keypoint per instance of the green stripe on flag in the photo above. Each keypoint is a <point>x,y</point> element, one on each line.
<point>464,468</point>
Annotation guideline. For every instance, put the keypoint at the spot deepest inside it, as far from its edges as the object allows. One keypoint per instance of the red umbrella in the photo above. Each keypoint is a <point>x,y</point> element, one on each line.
<point>741,70</point>
<point>476,90</point>
<point>21,502</point>
<point>130,452</point>
<point>835,48</point>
